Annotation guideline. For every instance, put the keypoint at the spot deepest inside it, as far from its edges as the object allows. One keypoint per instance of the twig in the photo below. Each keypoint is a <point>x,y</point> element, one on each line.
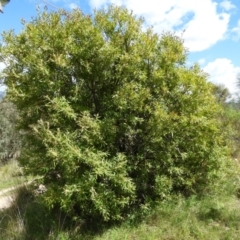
<point>50,4</point>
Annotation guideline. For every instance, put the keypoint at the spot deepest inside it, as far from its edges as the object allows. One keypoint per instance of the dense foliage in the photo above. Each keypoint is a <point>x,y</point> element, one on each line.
<point>112,116</point>
<point>230,119</point>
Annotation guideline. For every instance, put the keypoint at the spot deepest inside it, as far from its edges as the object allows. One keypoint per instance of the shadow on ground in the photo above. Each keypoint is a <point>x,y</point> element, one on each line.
<point>29,219</point>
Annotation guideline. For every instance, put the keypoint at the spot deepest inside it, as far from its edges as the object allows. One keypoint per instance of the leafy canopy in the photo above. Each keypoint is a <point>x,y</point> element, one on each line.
<point>112,116</point>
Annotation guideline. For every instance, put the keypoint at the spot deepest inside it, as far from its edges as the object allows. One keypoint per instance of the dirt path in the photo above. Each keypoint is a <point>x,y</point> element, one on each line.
<point>7,190</point>
<point>6,202</point>
<point>7,197</point>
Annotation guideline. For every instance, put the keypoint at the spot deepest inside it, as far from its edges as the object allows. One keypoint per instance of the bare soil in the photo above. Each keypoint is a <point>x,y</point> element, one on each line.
<point>6,198</point>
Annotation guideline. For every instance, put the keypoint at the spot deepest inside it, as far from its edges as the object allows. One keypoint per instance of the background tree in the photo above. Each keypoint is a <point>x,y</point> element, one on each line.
<point>10,142</point>
<point>230,118</point>
<point>221,93</point>
<point>112,116</point>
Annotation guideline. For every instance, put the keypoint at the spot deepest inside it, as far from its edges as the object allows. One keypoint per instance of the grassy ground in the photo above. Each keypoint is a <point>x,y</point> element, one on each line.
<point>215,216</point>
<point>11,175</point>
<point>185,219</point>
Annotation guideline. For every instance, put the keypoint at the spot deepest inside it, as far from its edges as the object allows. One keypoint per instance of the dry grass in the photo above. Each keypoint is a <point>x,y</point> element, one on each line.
<point>215,216</point>
<point>11,175</point>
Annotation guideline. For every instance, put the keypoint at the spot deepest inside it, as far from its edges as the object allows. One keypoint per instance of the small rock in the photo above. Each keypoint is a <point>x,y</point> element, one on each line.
<point>41,189</point>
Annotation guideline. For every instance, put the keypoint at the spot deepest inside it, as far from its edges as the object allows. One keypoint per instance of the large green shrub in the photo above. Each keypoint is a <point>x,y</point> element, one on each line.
<point>112,116</point>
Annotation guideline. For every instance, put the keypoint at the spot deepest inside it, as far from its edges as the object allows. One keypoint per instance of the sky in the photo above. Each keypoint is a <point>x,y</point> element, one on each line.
<point>210,28</point>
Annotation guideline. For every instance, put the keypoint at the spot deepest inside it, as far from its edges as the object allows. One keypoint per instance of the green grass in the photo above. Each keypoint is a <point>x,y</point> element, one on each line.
<point>215,216</point>
<point>180,219</point>
<point>11,175</point>
<point>208,218</point>
<point>212,217</point>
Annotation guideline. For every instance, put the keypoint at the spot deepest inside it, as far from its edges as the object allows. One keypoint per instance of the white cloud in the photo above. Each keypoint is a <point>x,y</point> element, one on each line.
<point>73,6</point>
<point>2,88</point>
<point>227,5</point>
<point>236,31</point>
<point>222,71</point>
<point>97,3</point>
<point>203,24</point>
<point>201,61</point>
<point>2,66</point>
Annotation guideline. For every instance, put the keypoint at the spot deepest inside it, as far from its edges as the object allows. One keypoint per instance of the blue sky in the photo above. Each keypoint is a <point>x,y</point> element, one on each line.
<point>211,27</point>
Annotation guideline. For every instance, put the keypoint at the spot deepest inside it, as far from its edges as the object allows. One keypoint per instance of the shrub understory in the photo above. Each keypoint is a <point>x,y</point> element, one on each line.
<point>213,216</point>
